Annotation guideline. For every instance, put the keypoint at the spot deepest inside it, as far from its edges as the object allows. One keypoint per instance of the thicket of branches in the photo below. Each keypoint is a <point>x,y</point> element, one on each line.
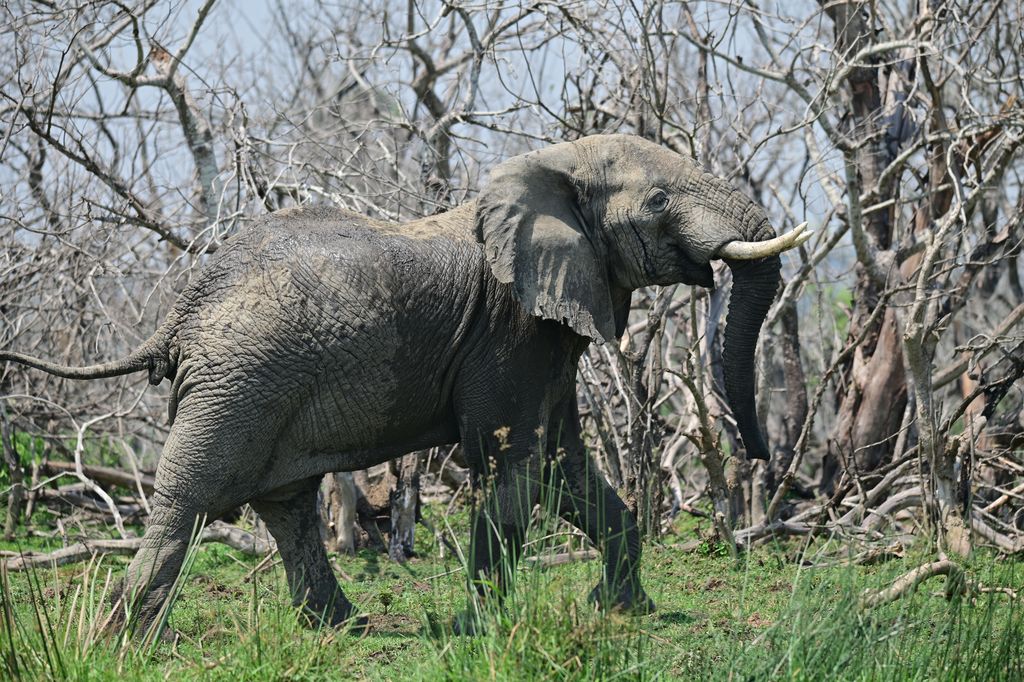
<point>136,137</point>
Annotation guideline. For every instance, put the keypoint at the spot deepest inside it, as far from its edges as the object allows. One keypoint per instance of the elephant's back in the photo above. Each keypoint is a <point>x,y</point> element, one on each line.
<point>352,331</point>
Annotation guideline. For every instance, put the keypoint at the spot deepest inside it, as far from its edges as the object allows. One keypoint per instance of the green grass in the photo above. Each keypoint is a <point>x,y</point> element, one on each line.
<point>767,618</point>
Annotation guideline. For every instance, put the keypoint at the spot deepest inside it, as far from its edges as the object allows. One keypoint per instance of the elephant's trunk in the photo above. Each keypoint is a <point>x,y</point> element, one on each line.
<point>754,285</point>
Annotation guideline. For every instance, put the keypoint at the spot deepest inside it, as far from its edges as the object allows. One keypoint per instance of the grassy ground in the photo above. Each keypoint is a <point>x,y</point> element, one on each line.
<point>767,617</point>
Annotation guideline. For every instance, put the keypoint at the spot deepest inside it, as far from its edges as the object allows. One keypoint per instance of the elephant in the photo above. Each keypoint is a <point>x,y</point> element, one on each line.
<point>319,340</point>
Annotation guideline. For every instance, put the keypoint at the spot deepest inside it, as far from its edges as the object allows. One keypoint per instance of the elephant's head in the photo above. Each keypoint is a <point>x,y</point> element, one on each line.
<point>578,226</point>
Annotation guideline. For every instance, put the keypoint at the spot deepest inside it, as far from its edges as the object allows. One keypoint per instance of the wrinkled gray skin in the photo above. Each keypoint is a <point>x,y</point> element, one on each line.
<point>319,340</point>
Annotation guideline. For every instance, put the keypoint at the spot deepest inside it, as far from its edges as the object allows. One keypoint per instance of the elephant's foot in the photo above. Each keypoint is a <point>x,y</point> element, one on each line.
<point>115,622</point>
<point>134,613</point>
<point>630,598</point>
<point>467,622</point>
<point>472,620</point>
<point>356,625</point>
<point>342,615</point>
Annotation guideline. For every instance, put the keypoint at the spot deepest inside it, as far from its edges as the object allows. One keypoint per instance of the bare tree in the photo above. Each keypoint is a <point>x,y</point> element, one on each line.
<point>891,362</point>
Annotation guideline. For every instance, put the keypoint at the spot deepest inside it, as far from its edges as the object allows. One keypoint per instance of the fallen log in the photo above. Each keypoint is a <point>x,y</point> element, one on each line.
<point>1005,543</point>
<point>549,560</point>
<point>80,499</point>
<point>218,531</point>
<point>957,583</point>
<point>905,499</point>
<point>105,475</point>
<point>908,583</point>
<point>748,536</point>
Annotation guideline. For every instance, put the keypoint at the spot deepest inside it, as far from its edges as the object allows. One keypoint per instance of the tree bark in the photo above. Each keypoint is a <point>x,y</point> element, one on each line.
<point>641,363</point>
<point>872,399</point>
<point>11,459</point>
<point>338,512</point>
<point>405,497</point>
<point>796,393</point>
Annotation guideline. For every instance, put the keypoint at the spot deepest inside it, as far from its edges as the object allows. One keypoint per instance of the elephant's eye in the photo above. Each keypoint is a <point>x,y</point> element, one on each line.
<point>657,202</point>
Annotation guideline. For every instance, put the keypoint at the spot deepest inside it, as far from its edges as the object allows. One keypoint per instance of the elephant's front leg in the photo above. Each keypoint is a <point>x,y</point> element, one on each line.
<point>584,499</point>
<point>505,499</point>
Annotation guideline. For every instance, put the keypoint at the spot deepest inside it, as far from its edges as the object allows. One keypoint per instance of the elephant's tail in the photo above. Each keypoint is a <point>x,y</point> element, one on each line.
<point>152,356</point>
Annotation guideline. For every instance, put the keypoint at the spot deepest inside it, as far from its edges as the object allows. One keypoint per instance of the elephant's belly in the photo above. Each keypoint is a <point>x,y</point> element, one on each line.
<point>370,422</point>
<point>317,443</point>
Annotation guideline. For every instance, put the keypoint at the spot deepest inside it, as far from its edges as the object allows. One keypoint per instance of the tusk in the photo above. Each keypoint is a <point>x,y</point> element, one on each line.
<point>738,250</point>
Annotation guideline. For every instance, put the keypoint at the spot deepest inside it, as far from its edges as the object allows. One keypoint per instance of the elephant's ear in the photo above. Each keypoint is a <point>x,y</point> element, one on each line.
<point>535,237</point>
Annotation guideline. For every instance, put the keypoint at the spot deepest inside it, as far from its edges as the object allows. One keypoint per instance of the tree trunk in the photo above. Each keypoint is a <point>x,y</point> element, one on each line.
<point>641,470</point>
<point>872,406</point>
<point>338,512</point>
<point>872,399</point>
<point>952,528</point>
<point>795,383</point>
<point>11,459</point>
<point>405,498</point>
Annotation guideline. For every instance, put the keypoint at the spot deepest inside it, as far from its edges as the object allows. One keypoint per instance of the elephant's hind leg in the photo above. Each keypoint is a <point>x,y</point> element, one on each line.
<point>291,517</point>
<point>178,509</point>
<point>141,602</point>
<point>208,467</point>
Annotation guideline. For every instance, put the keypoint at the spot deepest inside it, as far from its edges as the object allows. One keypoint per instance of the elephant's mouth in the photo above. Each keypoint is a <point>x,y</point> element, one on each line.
<point>694,273</point>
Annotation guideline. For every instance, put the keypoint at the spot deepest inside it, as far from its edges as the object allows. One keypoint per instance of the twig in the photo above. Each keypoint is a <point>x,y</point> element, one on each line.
<point>79,472</point>
<point>267,562</point>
